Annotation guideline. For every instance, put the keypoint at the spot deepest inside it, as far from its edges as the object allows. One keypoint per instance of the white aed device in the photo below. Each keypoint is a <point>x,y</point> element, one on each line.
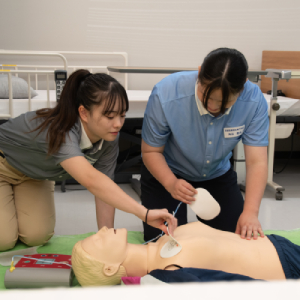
<point>60,77</point>
<point>205,206</point>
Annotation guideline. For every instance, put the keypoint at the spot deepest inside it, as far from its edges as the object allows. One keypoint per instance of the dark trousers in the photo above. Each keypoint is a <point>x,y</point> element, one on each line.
<point>224,189</point>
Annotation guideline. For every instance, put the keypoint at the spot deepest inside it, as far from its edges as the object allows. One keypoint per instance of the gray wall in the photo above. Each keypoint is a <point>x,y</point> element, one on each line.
<point>172,33</point>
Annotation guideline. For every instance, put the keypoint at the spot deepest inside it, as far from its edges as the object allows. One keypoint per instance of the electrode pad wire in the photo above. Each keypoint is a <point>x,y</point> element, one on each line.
<point>162,233</point>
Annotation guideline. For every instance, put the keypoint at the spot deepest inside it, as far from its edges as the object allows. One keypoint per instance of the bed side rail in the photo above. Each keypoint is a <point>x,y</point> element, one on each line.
<point>48,73</point>
<point>69,69</point>
<point>83,54</point>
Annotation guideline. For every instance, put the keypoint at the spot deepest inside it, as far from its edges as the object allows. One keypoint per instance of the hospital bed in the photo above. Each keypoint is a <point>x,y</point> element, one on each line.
<point>283,112</point>
<point>38,73</point>
<point>282,116</point>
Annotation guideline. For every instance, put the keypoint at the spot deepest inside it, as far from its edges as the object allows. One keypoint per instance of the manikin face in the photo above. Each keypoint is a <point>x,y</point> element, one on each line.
<point>109,246</point>
<point>214,102</point>
<point>99,126</point>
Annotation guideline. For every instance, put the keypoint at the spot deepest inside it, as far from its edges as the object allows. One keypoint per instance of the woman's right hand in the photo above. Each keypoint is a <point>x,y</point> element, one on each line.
<point>158,217</point>
<point>182,191</point>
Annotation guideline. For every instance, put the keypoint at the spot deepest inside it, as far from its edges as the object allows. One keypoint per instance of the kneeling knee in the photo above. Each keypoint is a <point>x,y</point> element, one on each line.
<point>36,239</point>
<point>7,244</point>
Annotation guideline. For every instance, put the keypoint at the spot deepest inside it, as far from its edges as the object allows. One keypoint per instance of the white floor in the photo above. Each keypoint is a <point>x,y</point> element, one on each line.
<point>75,209</point>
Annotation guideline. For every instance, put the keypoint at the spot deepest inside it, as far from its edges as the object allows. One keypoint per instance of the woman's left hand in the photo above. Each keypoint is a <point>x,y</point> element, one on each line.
<point>249,225</point>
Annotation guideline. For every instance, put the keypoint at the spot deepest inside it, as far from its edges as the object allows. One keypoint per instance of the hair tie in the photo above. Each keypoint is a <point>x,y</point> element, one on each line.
<point>146,216</point>
<point>86,76</point>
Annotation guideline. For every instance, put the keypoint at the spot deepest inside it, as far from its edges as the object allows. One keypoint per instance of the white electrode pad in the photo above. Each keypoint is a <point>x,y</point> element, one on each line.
<point>205,206</point>
<point>170,248</point>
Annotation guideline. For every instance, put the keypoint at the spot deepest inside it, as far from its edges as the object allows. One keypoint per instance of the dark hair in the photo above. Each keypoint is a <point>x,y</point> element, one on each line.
<point>81,88</point>
<point>224,69</point>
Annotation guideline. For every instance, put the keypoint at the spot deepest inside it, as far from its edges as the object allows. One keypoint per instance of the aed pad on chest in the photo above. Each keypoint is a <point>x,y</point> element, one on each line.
<point>205,206</point>
<point>170,248</point>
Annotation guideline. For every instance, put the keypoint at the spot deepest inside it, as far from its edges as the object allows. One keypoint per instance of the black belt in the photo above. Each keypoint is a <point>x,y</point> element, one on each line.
<point>1,154</point>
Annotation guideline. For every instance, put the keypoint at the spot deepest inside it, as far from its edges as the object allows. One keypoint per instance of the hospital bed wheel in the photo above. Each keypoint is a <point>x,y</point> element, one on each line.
<point>278,195</point>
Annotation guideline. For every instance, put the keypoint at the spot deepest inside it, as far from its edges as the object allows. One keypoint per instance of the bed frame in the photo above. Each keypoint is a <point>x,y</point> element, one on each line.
<point>37,69</point>
<point>287,60</point>
<point>284,60</point>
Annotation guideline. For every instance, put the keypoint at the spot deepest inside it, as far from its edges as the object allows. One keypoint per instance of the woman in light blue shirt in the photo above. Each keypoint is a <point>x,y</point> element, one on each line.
<point>192,122</point>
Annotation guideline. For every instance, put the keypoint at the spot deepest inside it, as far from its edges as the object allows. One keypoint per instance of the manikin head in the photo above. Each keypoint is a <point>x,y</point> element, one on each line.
<point>97,260</point>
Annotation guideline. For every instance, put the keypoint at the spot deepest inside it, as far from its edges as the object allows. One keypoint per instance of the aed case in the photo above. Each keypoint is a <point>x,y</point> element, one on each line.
<point>31,273</point>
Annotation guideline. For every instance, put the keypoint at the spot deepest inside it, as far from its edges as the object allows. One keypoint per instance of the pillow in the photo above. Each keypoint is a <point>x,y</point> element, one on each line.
<point>19,87</point>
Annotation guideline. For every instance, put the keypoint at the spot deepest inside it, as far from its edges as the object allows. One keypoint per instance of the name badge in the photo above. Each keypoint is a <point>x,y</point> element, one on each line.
<point>233,131</point>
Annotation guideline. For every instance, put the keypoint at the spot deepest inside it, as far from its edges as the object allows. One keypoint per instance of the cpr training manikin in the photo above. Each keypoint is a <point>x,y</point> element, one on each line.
<point>105,257</point>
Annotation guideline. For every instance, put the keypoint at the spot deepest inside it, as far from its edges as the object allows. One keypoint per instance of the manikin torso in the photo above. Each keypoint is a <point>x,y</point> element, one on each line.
<point>205,247</point>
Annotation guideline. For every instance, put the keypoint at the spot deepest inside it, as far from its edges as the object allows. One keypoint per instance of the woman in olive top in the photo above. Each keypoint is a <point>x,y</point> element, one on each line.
<point>78,138</point>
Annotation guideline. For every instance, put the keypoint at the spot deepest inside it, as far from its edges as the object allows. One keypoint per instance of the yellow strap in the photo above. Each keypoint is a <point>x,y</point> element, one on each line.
<point>5,70</point>
<point>9,65</point>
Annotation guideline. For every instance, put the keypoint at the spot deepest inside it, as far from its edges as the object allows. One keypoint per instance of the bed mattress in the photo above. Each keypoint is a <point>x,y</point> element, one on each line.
<point>137,104</point>
<point>288,106</point>
<point>20,106</point>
